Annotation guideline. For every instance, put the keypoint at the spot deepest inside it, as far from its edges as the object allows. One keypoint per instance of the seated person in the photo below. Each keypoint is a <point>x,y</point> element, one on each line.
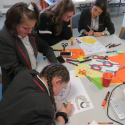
<point>29,100</point>
<point>55,22</point>
<point>19,46</point>
<point>95,20</point>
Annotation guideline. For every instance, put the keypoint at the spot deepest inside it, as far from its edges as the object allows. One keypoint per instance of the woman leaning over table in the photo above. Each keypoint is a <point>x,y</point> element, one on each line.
<point>18,45</point>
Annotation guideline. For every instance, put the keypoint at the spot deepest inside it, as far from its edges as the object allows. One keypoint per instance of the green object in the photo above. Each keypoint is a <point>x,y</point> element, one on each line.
<point>81,59</point>
<point>120,52</point>
<point>98,80</point>
<point>66,101</point>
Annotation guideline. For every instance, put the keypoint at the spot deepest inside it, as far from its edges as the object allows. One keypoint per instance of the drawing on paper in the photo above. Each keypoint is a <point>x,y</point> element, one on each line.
<point>91,47</point>
<point>64,93</point>
<point>88,40</point>
<point>83,104</point>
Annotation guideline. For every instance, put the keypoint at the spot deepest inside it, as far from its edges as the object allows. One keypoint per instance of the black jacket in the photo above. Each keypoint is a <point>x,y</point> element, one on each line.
<point>85,19</point>
<point>48,30</point>
<point>25,103</point>
<point>14,56</point>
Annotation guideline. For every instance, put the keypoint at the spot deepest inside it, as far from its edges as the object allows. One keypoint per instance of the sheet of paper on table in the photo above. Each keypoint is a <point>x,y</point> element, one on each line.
<point>91,45</point>
<point>76,94</point>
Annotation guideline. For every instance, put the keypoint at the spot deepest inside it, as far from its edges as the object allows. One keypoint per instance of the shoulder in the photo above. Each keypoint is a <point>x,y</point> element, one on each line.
<point>44,17</point>
<point>86,12</point>
<point>5,36</point>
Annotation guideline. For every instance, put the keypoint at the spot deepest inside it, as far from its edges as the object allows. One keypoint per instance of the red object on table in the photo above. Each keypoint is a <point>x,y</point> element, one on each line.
<point>107,78</point>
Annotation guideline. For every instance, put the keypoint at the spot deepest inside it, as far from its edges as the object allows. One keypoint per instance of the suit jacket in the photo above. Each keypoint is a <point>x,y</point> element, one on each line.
<point>14,56</point>
<point>46,30</point>
<point>85,19</point>
<point>25,103</point>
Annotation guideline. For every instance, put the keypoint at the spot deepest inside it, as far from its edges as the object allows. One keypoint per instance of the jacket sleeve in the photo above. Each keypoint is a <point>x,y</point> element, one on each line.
<point>47,51</point>
<point>46,32</point>
<point>81,22</point>
<point>66,30</point>
<point>109,25</point>
<point>9,59</point>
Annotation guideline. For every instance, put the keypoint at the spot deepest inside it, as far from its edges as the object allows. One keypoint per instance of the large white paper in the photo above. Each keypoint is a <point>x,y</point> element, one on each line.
<point>97,47</point>
<point>76,94</point>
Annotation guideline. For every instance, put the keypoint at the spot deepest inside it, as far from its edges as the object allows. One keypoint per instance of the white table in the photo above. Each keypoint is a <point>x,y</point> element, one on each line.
<point>97,96</point>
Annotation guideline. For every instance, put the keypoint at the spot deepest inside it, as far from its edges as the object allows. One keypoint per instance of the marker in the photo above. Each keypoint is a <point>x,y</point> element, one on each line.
<point>106,98</point>
<point>112,45</point>
<point>106,104</point>
<point>116,45</point>
<point>57,50</point>
<point>66,101</point>
<point>90,28</point>
<point>85,61</point>
<point>102,122</point>
<point>71,63</point>
<point>111,51</point>
<point>72,60</point>
<point>78,41</point>
<point>108,44</point>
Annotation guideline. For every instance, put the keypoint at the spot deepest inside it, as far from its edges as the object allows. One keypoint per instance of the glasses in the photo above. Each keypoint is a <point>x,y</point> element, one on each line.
<point>68,17</point>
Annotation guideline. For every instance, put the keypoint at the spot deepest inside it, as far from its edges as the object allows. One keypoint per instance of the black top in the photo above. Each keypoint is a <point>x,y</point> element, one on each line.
<point>85,19</point>
<point>25,103</point>
<point>46,30</point>
<point>14,56</point>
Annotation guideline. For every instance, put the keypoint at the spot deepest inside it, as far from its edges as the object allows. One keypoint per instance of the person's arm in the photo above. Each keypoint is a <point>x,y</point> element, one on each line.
<point>9,59</point>
<point>66,30</point>
<point>46,31</point>
<point>44,48</point>
<point>109,25</point>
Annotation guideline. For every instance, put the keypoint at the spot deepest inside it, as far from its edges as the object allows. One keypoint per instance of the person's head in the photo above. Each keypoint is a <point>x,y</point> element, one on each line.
<point>99,7</point>
<point>60,12</point>
<point>57,77</point>
<point>21,19</point>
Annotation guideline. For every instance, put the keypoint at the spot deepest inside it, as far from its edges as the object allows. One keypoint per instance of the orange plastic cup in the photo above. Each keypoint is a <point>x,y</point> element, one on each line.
<point>107,78</point>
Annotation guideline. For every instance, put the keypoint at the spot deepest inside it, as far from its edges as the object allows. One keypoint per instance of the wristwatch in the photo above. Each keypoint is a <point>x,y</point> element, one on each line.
<point>64,115</point>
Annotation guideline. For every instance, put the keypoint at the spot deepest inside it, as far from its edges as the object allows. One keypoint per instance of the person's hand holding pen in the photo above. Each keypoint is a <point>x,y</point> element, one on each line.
<point>90,33</point>
<point>67,108</point>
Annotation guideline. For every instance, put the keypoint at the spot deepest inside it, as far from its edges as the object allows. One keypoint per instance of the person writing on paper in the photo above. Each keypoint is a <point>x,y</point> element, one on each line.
<point>55,22</point>
<point>29,100</point>
<point>95,20</point>
<point>19,46</point>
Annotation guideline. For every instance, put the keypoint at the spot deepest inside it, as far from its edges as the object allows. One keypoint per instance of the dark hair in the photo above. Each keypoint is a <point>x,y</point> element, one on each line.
<point>103,4</point>
<point>56,11</point>
<point>16,14</point>
<point>54,70</point>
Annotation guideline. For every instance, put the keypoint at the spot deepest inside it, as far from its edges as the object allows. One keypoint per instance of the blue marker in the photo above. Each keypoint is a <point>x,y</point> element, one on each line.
<point>111,51</point>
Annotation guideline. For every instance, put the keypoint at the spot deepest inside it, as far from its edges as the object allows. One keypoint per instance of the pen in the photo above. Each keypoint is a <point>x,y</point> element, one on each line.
<point>112,45</point>
<point>102,122</point>
<point>111,51</point>
<point>57,50</point>
<point>72,60</point>
<point>108,44</point>
<point>88,78</point>
<point>90,28</point>
<point>78,41</point>
<point>85,60</point>
<point>116,45</point>
<point>71,63</point>
<point>122,67</point>
<point>66,101</point>
<point>105,100</point>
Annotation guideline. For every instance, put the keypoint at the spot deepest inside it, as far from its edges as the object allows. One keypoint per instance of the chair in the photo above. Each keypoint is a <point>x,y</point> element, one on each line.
<point>0,87</point>
<point>75,19</point>
<point>122,33</point>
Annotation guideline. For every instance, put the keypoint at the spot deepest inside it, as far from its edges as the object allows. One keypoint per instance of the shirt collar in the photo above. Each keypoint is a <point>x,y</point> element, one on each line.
<point>44,84</point>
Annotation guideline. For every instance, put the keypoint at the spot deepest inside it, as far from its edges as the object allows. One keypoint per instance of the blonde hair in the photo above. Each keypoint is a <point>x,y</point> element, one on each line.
<point>56,11</point>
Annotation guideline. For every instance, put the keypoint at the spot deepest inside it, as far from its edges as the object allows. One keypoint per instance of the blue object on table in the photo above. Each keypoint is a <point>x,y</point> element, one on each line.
<point>0,91</point>
<point>123,36</point>
<point>44,58</point>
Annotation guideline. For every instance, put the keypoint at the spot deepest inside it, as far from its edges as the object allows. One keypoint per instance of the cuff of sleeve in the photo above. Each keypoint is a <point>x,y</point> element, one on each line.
<point>81,32</point>
<point>106,32</point>
<point>58,122</point>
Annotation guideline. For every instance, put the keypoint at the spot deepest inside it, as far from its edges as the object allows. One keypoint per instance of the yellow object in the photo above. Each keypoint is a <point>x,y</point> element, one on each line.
<point>88,40</point>
<point>89,72</point>
<point>72,38</point>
